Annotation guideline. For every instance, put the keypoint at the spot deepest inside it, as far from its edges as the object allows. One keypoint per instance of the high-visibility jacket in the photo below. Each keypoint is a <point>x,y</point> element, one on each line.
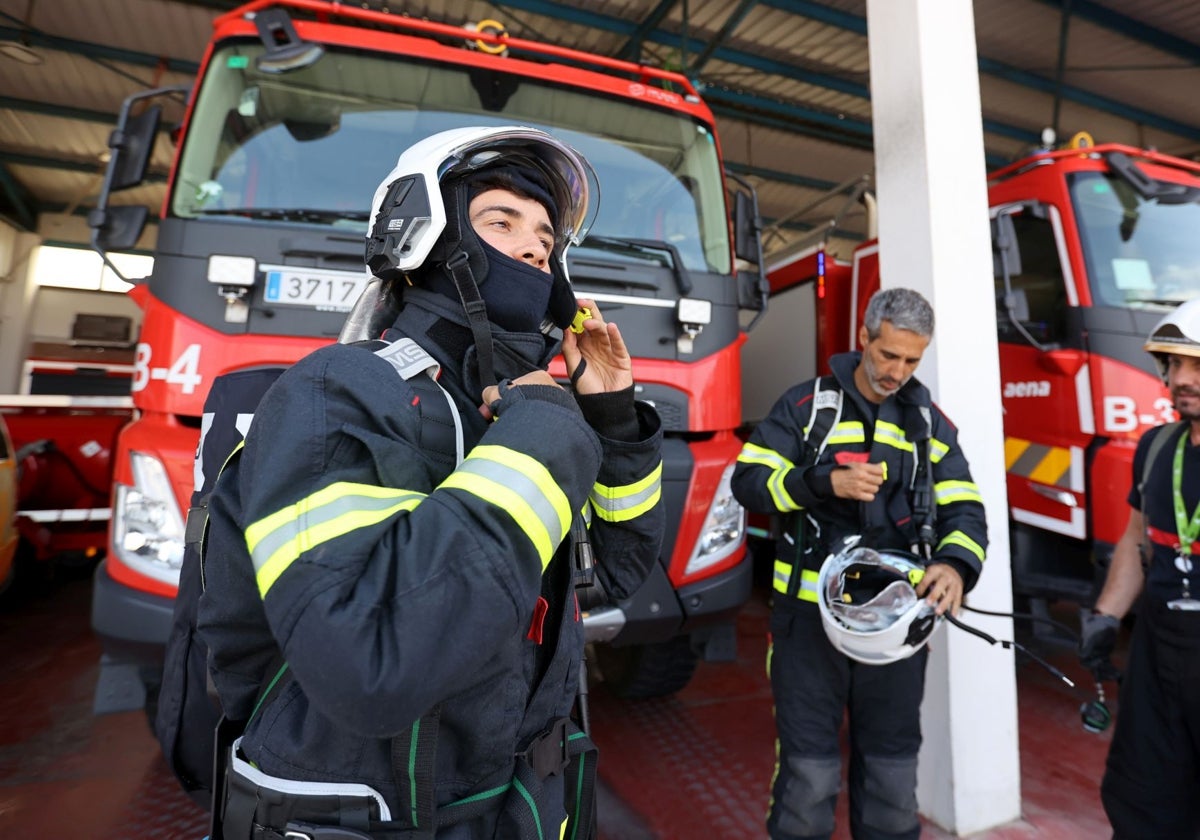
<point>776,474</point>
<point>393,583</point>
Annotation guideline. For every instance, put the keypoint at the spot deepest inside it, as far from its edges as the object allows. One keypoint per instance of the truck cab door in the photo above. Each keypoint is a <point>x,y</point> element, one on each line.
<point>1043,370</point>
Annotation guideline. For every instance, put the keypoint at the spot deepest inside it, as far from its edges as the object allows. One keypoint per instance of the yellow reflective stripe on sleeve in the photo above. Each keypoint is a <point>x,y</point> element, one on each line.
<point>808,581</point>
<point>937,450</point>
<point>628,501</point>
<point>523,488</point>
<point>949,492</point>
<point>959,538</point>
<point>892,435</point>
<point>780,467</point>
<point>277,540</point>
<point>848,431</point>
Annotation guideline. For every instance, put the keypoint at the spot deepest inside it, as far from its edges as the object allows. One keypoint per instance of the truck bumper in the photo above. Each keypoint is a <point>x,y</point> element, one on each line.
<point>657,612</point>
<point>132,627</point>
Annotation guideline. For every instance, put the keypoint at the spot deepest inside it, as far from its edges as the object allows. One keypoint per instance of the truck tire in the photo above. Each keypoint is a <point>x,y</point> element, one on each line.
<point>650,670</point>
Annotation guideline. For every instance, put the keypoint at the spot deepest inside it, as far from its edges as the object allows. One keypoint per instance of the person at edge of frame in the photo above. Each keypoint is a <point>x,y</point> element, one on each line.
<point>1152,774</point>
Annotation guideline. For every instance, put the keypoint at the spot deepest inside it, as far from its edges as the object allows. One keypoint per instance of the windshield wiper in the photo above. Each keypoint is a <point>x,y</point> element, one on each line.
<point>288,214</point>
<point>646,248</point>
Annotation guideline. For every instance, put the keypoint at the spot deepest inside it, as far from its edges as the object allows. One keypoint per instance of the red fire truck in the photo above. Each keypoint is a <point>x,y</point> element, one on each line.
<point>298,109</point>
<point>1092,244</point>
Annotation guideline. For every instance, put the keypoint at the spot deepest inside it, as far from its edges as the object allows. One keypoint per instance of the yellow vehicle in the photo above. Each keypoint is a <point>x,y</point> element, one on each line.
<point>8,507</point>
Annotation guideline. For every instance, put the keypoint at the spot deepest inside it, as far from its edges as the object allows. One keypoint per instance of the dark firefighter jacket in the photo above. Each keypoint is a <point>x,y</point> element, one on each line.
<point>775,475</point>
<point>392,588</point>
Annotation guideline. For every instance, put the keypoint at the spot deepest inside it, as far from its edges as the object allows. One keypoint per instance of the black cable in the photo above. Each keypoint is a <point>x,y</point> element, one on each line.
<point>1074,634</point>
<point>975,631</point>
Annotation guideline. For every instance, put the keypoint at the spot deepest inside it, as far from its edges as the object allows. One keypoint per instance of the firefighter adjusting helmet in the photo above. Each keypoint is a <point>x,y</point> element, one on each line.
<point>419,211</point>
<point>869,606</point>
<point>1178,332</point>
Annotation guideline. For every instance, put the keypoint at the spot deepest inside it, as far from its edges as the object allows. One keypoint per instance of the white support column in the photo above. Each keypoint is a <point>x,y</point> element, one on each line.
<point>934,237</point>
<point>16,302</point>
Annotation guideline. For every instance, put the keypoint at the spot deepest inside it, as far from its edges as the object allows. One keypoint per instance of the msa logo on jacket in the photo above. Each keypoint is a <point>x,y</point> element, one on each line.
<point>1039,388</point>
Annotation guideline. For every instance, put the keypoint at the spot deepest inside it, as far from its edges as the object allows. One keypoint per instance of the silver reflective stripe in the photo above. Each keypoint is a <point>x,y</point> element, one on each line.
<point>365,510</point>
<point>290,786</point>
<point>523,486</point>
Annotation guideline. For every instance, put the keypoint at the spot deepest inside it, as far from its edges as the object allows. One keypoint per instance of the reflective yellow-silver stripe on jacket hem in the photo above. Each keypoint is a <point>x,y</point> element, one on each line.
<point>780,467</point>
<point>627,501</point>
<point>277,540</point>
<point>808,581</point>
<point>523,488</point>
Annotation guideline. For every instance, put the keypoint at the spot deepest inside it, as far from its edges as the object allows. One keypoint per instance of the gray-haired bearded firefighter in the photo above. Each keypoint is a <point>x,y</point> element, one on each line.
<point>392,557</point>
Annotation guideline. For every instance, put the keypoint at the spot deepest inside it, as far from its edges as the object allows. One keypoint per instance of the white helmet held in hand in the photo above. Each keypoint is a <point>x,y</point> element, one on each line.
<point>869,606</point>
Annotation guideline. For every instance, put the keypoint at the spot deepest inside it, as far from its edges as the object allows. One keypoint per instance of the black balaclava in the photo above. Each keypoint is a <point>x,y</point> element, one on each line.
<point>516,293</point>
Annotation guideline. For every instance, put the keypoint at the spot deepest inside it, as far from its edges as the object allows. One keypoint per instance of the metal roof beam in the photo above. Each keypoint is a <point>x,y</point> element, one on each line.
<point>1130,28</point>
<point>34,38</point>
<point>854,23</point>
<point>632,48</point>
<point>49,109</point>
<point>69,165</point>
<point>731,23</point>
<point>25,216</point>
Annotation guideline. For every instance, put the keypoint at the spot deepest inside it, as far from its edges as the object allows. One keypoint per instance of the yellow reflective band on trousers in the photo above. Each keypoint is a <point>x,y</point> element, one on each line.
<point>523,488</point>
<point>627,501</point>
<point>808,581</point>
<point>779,466</point>
<point>277,540</point>
<point>959,538</point>
<point>949,492</point>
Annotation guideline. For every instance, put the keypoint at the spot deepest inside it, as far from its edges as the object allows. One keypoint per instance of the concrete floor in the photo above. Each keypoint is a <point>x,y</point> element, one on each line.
<point>696,765</point>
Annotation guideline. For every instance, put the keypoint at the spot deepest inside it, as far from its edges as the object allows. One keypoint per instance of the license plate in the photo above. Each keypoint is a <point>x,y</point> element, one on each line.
<point>315,288</point>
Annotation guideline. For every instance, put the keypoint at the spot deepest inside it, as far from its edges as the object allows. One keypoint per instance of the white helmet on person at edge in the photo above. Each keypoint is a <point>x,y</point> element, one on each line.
<point>869,606</point>
<point>1178,332</point>
<point>419,214</point>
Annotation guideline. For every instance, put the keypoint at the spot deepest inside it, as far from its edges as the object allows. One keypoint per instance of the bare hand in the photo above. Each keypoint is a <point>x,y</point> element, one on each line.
<point>857,481</point>
<point>492,392</point>
<point>942,586</point>
<point>607,366</point>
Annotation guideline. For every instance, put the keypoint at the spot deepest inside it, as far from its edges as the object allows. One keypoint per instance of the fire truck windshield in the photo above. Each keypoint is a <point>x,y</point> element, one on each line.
<point>1139,252</point>
<point>309,146</point>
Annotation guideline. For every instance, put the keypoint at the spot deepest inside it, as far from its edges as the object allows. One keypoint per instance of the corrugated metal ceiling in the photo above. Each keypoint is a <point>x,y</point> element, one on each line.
<point>788,80</point>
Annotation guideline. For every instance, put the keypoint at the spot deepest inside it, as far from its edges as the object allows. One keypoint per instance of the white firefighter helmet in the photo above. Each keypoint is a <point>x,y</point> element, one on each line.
<point>1177,333</point>
<point>413,225</point>
<point>869,606</point>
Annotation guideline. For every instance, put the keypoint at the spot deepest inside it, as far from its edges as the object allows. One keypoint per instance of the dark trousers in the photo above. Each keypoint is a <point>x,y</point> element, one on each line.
<point>813,685</point>
<point>1151,788</point>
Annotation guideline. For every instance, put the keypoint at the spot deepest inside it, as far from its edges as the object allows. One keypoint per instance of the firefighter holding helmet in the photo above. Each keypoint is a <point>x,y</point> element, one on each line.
<point>1153,768</point>
<point>402,535</point>
<point>880,531</point>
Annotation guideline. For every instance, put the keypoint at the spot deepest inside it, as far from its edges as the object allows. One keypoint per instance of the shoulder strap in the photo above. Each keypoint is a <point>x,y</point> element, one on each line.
<point>826,412</point>
<point>924,508</point>
<point>1161,435</point>
<point>442,431</point>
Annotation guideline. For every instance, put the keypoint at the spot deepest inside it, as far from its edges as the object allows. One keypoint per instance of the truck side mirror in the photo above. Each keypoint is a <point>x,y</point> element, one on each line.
<point>1017,304</point>
<point>131,146</point>
<point>746,226</point>
<point>1006,253</point>
<point>117,228</point>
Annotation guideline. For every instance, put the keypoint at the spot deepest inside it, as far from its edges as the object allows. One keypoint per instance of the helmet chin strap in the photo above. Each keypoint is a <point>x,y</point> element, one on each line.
<point>459,269</point>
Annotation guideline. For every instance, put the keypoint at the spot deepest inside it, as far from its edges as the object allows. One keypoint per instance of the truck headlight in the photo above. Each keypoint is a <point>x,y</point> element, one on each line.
<point>147,526</point>
<point>723,529</point>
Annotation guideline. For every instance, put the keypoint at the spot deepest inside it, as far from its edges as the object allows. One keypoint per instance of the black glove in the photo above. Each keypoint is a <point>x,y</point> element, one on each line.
<point>1098,638</point>
<point>511,394</point>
